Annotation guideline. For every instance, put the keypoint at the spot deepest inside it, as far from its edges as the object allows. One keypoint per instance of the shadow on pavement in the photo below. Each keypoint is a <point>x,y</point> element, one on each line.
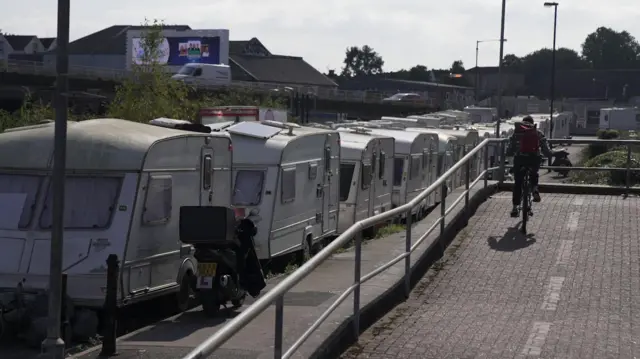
<point>512,240</point>
<point>187,323</point>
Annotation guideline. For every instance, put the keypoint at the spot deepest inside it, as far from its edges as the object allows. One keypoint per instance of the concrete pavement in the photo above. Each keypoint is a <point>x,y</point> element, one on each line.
<point>571,289</point>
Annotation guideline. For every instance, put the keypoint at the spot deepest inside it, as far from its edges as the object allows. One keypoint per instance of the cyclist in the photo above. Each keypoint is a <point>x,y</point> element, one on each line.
<point>525,146</point>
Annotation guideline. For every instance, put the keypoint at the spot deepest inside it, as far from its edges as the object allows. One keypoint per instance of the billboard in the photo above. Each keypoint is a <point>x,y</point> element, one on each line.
<point>177,51</point>
<point>178,48</point>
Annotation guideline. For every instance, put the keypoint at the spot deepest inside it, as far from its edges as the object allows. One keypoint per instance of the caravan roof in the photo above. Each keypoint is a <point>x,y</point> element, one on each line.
<point>258,143</point>
<point>105,144</point>
<point>403,139</point>
<point>353,144</point>
<point>443,138</point>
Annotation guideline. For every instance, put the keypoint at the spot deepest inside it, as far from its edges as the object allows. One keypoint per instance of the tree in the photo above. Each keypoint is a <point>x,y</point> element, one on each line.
<point>457,67</point>
<point>511,61</point>
<point>361,61</point>
<point>608,49</point>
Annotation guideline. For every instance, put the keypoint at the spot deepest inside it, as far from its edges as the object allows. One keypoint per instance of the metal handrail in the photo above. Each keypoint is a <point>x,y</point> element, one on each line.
<point>276,295</point>
<point>92,72</point>
<point>355,231</point>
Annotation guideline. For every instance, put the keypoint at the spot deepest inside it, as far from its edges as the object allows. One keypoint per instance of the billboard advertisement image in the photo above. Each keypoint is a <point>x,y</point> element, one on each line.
<point>177,51</point>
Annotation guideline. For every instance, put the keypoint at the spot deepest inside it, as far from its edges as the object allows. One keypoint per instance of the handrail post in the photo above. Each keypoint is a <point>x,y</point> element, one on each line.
<point>356,291</point>
<point>443,210</point>
<point>486,165</point>
<point>407,259</point>
<point>628,172</point>
<point>466,187</point>
<point>502,163</point>
<point>277,345</point>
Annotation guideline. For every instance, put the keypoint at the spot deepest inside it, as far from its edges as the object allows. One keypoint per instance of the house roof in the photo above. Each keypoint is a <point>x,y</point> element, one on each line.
<point>281,69</point>
<point>47,41</point>
<point>19,42</point>
<point>110,41</point>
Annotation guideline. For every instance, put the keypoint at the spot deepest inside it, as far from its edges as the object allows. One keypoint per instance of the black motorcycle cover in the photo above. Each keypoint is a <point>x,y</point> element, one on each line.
<point>251,275</point>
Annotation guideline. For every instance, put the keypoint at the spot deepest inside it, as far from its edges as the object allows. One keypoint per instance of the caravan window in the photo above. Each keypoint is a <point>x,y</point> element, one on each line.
<point>415,166</point>
<point>18,196</point>
<point>346,176</point>
<point>207,165</point>
<point>381,165</point>
<point>247,190</point>
<point>157,204</point>
<point>327,159</point>
<point>89,202</point>
<point>366,176</point>
<point>288,186</point>
<point>398,169</point>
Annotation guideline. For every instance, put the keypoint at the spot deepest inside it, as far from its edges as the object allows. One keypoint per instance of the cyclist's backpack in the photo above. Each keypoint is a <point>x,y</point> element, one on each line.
<point>527,135</point>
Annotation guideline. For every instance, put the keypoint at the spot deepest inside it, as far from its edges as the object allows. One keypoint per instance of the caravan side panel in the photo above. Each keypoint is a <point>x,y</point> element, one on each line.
<point>170,179</point>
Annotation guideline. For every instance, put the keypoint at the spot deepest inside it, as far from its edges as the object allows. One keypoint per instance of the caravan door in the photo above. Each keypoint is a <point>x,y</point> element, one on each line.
<point>330,191</point>
<point>206,176</point>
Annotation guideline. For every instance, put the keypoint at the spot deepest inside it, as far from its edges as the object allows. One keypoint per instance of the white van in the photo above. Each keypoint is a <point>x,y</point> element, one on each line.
<point>366,170</point>
<point>125,184</point>
<point>204,74</point>
<point>286,181</point>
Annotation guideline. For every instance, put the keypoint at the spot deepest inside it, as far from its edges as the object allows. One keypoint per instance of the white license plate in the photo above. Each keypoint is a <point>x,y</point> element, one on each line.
<point>205,282</point>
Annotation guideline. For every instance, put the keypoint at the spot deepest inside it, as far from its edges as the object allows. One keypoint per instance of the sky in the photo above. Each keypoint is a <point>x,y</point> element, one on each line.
<point>404,32</point>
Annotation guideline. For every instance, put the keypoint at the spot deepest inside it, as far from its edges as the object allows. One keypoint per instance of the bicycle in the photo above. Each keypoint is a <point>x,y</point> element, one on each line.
<point>526,198</point>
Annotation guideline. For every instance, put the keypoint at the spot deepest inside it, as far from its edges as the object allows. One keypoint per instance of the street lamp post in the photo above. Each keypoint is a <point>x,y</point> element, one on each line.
<point>499,105</point>
<point>552,91</point>
<point>478,42</point>
<point>53,345</point>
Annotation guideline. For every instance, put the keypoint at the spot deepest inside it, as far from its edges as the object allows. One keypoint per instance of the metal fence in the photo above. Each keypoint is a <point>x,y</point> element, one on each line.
<point>90,72</point>
<point>480,154</point>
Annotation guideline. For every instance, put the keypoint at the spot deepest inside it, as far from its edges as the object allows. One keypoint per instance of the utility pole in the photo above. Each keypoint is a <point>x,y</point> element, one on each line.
<point>53,345</point>
<point>499,105</point>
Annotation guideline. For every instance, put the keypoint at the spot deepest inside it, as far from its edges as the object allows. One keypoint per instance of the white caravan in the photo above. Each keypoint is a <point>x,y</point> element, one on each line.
<point>467,140</point>
<point>443,160</point>
<point>410,169</point>
<point>125,184</point>
<point>286,182</point>
<point>366,170</point>
<point>619,118</point>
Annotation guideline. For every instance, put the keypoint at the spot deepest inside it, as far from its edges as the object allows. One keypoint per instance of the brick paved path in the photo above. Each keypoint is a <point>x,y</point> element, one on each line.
<point>571,290</point>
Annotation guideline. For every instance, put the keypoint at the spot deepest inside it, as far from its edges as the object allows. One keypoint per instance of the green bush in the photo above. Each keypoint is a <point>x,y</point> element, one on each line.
<point>611,159</point>
<point>608,134</point>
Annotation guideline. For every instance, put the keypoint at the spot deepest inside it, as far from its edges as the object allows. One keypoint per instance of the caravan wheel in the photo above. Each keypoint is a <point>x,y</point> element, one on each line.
<point>186,294</point>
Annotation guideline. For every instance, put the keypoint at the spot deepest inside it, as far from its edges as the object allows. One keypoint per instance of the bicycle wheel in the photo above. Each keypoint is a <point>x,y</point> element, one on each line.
<point>525,201</point>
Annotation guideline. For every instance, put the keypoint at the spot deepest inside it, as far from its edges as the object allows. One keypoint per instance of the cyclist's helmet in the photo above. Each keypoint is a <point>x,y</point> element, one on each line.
<point>528,119</point>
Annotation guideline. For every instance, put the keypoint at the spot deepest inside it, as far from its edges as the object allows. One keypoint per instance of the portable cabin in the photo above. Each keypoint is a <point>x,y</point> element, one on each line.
<point>285,181</point>
<point>124,186</point>
<point>481,114</point>
<point>366,170</point>
<point>410,169</point>
<point>562,123</point>
<point>619,118</point>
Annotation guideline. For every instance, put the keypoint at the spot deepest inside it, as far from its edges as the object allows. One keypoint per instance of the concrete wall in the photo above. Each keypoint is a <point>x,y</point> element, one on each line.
<point>116,62</point>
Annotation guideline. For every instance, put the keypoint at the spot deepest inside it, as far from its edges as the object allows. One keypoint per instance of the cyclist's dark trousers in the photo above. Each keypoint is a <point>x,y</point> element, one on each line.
<point>533,162</point>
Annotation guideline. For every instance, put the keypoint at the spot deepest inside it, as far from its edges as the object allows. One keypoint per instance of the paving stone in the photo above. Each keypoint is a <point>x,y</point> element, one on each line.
<point>571,289</point>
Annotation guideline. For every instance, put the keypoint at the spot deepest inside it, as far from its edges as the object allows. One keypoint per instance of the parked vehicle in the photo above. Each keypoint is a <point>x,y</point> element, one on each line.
<point>204,74</point>
<point>228,267</point>
<point>620,118</point>
<point>125,184</point>
<point>446,149</point>
<point>410,169</point>
<point>366,170</point>
<point>285,181</point>
<point>405,98</point>
<point>561,159</point>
